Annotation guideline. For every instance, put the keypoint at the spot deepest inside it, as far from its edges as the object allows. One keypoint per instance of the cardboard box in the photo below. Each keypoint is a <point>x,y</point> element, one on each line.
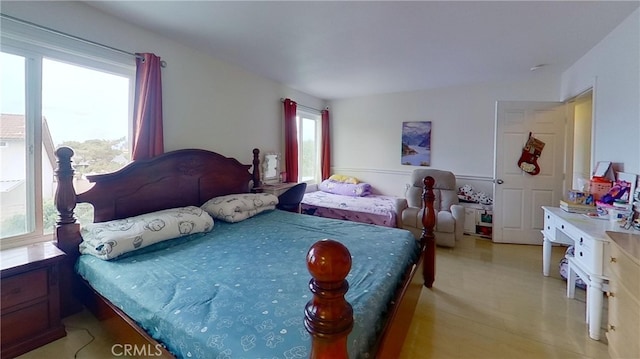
<point>599,189</point>
<point>604,171</point>
<point>576,197</point>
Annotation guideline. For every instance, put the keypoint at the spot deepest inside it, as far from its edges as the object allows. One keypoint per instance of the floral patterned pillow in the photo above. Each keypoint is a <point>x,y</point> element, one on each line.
<point>238,207</point>
<point>108,240</point>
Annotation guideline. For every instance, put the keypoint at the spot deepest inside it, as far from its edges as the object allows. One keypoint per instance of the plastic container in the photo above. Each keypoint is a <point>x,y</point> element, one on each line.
<point>620,212</point>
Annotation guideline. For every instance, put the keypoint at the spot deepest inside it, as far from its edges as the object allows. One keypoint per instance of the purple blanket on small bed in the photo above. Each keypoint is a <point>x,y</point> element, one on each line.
<point>372,209</point>
<point>346,189</point>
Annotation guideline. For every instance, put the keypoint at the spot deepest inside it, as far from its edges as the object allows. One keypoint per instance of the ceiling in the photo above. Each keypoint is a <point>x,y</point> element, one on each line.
<point>342,49</point>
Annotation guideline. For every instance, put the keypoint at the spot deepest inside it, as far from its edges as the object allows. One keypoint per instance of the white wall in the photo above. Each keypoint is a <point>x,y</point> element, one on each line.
<point>206,103</point>
<point>614,66</point>
<point>366,131</point>
<point>218,106</point>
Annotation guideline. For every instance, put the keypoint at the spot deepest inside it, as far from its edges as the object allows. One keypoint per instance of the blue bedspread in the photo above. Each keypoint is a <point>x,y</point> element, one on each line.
<point>240,290</point>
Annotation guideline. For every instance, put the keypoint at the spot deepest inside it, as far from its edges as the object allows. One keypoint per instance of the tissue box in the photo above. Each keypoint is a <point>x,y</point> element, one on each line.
<point>576,197</point>
<point>599,189</point>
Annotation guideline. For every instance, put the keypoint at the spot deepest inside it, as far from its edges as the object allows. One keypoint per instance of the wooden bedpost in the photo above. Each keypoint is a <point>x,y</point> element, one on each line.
<point>67,231</point>
<point>65,196</point>
<point>257,183</point>
<point>428,239</point>
<point>328,316</point>
<point>65,201</point>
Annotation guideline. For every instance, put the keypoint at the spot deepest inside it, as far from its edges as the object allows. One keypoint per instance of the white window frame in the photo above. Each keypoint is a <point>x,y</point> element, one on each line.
<point>34,44</point>
<point>317,118</point>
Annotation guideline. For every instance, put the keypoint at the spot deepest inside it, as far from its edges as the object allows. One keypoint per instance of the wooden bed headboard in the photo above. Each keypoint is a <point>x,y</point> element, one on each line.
<point>175,179</point>
<point>187,177</point>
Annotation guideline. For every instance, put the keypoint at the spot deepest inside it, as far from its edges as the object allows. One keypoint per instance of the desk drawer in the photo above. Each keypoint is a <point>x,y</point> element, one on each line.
<point>569,230</point>
<point>623,330</point>
<point>625,271</point>
<point>23,287</point>
<point>589,253</point>
<point>549,230</point>
<point>560,231</point>
<point>24,323</point>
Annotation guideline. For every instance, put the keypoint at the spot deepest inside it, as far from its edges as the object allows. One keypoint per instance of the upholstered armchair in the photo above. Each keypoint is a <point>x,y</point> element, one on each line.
<point>449,213</point>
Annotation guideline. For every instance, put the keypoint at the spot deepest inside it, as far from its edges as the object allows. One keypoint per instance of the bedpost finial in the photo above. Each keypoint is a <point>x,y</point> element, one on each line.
<point>429,182</point>
<point>257,178</point>
<point>64,155</point>
<point>328,261</point>
<point>65,195</point>
<point>64,152</point>
<point>328,316</point>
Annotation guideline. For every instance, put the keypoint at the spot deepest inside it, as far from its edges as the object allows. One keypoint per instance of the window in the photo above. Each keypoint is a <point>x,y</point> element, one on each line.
<point>309,142</point>
<point>55,96</point>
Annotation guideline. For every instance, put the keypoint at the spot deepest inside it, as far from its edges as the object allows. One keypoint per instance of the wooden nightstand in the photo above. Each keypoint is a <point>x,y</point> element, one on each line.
<point>278,188</point>
<point>30,307</point>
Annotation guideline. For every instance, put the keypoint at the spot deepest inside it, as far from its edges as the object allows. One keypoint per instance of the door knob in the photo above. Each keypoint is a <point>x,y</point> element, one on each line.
<point>499,181</point>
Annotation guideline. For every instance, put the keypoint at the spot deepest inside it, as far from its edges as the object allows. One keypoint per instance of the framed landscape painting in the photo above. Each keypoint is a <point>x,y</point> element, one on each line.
<point>416,143</point>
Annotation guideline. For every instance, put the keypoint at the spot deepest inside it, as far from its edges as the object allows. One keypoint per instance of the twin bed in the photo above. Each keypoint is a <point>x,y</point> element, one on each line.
<point>240,289</point>
<point>373,209</point>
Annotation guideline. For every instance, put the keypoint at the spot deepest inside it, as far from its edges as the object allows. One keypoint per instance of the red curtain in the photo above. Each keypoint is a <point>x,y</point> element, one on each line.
<point>147,116</point>
<point>290,140</point>
<point>325,160</point>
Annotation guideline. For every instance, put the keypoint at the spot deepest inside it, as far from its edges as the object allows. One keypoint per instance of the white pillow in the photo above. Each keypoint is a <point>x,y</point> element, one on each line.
<point>107,240</point>
<point>238,207</point>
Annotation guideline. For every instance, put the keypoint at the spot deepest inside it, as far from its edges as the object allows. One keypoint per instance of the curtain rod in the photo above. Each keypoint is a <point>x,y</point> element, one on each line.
<point>57,32</point>
<point>307,107</point>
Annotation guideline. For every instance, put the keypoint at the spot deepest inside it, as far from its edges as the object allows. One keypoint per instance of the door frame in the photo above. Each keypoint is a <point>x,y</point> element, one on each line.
<point>570,130</point>
<point>569,102</point>
<point>528,222</point>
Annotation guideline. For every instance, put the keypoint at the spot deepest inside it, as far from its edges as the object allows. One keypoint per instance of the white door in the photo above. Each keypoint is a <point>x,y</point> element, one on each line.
<point>518,195</point>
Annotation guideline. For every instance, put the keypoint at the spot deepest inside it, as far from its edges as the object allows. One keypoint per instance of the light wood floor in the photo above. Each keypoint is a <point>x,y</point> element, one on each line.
<point>492,301</point>
<point>488,301</point>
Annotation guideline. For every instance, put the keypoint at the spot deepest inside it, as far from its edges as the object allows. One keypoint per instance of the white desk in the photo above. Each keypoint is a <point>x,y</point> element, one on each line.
<point>591,246</point>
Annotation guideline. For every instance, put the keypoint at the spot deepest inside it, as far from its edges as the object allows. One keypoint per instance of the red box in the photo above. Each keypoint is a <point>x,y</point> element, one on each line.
<point>599,189</point>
